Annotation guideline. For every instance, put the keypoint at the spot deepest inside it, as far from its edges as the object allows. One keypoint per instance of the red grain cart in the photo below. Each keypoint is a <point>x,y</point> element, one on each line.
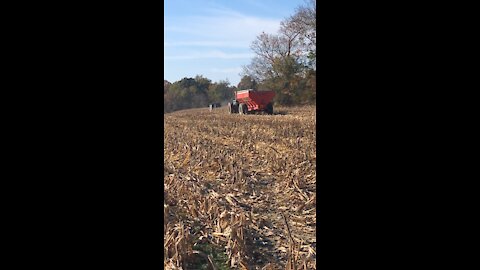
<point>247,101</point>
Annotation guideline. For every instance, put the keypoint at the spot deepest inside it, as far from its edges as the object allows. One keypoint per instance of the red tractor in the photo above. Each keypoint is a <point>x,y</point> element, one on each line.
<point>248,101</point>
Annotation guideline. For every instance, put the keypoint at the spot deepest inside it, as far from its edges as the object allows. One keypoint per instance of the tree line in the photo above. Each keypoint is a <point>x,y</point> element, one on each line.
<point>284,62</point>
<point>195,93</point>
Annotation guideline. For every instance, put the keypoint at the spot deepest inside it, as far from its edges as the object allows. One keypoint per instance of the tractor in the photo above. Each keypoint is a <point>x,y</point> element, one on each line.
<point>250,101</point>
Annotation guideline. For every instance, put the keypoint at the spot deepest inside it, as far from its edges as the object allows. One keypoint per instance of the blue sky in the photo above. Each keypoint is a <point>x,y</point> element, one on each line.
<point>212,37</point>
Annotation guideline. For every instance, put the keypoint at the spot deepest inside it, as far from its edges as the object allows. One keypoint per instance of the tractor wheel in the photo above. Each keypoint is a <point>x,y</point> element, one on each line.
<point>229,105</point>
<point>269,108</point>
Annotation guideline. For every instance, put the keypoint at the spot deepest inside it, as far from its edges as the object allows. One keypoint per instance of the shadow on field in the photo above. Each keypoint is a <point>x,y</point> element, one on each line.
<point>280,113</point>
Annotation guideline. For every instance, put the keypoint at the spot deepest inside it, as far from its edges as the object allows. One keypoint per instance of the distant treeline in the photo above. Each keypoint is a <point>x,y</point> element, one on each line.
<point>285,63</point>
<point>194,93</point>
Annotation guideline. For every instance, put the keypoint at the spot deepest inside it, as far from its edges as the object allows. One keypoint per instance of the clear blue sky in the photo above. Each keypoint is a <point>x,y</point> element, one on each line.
<point>213,37</point>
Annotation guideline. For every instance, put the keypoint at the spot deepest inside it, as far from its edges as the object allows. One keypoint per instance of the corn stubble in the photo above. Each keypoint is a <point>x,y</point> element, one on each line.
<point>244,184</point>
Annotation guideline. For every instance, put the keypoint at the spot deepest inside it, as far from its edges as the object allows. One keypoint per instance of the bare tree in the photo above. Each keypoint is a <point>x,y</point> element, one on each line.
<point>259,69</point>
<point>286,61</point>
<point>304,25</point>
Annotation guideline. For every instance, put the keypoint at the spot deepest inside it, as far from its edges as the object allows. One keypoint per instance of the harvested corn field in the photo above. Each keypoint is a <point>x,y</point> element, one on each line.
<point>240,190</point>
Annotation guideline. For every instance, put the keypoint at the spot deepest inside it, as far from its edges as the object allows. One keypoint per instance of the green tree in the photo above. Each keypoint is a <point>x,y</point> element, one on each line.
<point>219,92</point>
<point>247,82</point>
<point>195,93</point>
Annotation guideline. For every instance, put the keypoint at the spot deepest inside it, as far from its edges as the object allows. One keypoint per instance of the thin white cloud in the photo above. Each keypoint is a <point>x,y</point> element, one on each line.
<point>226,70</point>
<point>209,54</point>
<point>258,4</point>
<point>214,34</point>
<point>204,43</point>
<point>221,26</point>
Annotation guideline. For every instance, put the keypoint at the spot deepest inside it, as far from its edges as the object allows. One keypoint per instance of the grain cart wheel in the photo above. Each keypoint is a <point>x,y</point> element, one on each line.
<point>269,108</point>
<point>242,109</point>
<point>245,109</point>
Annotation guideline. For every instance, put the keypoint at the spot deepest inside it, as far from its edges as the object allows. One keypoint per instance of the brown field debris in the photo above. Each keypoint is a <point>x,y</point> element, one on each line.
<point>242,185</point>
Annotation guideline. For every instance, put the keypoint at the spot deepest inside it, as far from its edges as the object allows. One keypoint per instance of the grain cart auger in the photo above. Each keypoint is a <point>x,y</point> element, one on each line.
<point>248,101</point>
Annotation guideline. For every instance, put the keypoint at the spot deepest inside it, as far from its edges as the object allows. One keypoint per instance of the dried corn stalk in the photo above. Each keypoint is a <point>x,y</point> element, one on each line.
<point>229,178</point>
